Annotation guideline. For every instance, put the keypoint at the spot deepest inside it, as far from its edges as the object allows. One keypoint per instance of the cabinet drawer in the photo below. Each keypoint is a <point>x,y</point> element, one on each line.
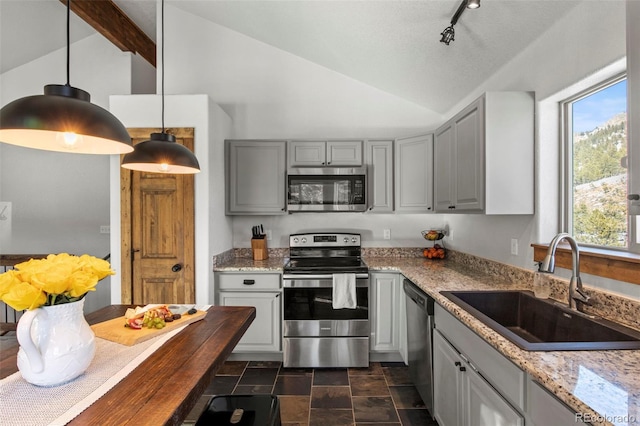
<point>248,281</point>
<point>504,375</point>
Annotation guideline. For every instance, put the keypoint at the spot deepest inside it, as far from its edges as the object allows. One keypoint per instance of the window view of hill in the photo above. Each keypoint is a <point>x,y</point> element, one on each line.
<point>600,184</point>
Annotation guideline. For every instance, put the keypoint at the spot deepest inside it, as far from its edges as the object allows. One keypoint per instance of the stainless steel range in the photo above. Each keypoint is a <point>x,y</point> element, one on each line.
<point>315,334</point>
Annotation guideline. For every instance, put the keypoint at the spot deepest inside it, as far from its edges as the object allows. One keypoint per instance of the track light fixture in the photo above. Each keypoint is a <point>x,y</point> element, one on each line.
<point>449,33</point>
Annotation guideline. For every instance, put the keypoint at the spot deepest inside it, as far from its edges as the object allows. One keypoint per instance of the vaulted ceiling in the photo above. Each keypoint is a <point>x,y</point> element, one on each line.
<point>389,44</point>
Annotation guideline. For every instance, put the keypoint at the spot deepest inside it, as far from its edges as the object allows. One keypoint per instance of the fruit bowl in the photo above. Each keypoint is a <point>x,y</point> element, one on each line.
<point>433,234</point>
<point>435,252</point>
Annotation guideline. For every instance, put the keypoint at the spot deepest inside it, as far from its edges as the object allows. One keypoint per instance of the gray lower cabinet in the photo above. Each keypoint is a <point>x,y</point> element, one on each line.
<point>388,318</point>
<point>255,172</point>
<point>474,384</point>
<point>262,291</point>
<point>379,161</point>
<point>413,187</point>
<point>462,395</point>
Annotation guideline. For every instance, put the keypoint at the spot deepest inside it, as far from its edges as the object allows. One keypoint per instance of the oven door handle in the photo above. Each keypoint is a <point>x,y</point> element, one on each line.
<point>317,276</point>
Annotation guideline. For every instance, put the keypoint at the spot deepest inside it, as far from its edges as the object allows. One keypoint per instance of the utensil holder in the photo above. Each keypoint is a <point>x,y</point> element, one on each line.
<point>259,248</point>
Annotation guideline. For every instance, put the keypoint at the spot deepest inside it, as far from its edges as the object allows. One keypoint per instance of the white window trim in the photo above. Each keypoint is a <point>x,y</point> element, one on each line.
<point>566,168</point>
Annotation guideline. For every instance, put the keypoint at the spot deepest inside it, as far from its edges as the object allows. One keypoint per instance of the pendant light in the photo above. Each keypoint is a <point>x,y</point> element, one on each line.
<point>63,120</point>
<point>161,154</point>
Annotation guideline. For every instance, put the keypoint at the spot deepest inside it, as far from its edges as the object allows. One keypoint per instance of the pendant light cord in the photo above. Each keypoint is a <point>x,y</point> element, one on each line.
<point>162,61</point>
<point>68,39</point>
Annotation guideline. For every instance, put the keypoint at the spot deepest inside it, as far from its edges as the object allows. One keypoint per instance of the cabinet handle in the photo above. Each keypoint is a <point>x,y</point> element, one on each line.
<point>328,162</point>
<point>248,282</point>
<point>632,197</point>
<point>428,208</point>
<point>457,363</point>
<point>463,369</point>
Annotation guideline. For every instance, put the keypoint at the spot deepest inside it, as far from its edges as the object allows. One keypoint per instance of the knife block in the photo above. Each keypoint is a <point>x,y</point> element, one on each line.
<point>259,248</point>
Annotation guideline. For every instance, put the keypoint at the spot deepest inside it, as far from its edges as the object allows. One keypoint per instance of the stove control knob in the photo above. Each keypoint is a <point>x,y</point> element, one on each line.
<point>304,240</point>
<point>346,240</point>
<point>295,240</point>
<point>354,240</point>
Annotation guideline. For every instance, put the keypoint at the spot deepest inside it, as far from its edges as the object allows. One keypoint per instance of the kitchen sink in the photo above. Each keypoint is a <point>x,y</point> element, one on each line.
<point>541,324</point>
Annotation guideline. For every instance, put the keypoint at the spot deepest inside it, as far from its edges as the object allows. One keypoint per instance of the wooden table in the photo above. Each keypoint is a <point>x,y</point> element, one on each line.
<point>166,386</point>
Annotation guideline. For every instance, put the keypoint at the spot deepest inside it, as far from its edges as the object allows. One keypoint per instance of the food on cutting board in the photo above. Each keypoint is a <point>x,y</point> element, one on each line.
<point>155,317</point>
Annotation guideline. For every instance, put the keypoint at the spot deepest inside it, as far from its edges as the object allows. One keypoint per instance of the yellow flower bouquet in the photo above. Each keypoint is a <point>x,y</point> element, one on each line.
<point>59,278</point>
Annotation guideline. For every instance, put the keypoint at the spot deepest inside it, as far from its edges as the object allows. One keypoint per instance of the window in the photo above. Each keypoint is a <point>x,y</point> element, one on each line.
<point>595,133</point>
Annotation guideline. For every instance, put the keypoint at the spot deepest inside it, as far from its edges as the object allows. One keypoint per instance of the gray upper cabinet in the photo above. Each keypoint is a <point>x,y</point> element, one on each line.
<point>379,160</point>
<point>255,176</point>
<point>325,153</point>
<point>459,162</point>
<point>413,188</point>
<point>484,157</point>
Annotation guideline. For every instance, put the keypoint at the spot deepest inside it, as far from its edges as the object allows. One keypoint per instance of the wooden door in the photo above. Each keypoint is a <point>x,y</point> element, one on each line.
<point>158,261</point>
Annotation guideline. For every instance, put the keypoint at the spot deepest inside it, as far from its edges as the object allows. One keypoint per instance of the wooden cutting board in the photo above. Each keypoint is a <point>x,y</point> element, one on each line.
<point>115,331</point>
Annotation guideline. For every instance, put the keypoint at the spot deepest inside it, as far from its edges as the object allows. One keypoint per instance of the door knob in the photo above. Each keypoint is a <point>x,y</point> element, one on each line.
<point>176,268</point>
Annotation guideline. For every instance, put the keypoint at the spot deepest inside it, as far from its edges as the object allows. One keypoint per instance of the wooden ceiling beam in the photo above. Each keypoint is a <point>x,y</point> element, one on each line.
<point>110,21</point>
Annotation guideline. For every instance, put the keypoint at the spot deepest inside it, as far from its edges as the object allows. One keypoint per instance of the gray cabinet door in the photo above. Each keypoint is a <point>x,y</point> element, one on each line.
<point>414,174</point>
<point>307,153</point>
<point>443,169</point>
<point>256,177</point>
<point>264,334</point>
<point>447,383</point>
<point>379,160</point>
<point>459,162</point>
<point>344,153</point>
<point>469,158</point>
<point>485,406</point>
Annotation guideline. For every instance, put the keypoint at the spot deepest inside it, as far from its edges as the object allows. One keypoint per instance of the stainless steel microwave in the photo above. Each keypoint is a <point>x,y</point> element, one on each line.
<point>327,189</point>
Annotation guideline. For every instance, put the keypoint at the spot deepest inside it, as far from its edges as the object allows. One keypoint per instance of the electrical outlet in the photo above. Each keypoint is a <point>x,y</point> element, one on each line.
<point>450,235</point>
<point>387,234</point>
<point>105,229</point>
<point>268,234</point>
<point>514,246</point>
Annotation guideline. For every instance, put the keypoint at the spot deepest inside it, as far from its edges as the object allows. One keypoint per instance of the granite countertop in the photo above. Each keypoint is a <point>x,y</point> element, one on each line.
<point>601,385</point>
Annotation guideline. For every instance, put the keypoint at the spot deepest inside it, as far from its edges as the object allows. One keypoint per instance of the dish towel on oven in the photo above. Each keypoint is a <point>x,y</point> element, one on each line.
<point>344,291</point>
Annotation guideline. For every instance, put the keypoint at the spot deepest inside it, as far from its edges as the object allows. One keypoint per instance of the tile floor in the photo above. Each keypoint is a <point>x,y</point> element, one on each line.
<point>379,395</point>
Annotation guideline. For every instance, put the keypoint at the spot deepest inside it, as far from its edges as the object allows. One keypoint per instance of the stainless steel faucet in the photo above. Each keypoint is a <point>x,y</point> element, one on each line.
<point>577,296</point>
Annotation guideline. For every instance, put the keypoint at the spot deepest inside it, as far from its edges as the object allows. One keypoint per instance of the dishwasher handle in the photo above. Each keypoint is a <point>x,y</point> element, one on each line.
<point>420,298</point>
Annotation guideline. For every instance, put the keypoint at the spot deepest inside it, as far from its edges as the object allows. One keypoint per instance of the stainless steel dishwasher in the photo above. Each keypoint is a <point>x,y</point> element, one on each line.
<point>420,309</point>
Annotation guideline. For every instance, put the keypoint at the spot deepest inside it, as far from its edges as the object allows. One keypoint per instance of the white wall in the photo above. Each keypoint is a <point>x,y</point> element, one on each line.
<point>270,93</point>
<point>212,126</point>
<point>60,200</point>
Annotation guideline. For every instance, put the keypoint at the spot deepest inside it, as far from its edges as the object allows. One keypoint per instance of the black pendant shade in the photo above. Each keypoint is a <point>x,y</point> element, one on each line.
<point>64,120</point>
<point>161,154</point>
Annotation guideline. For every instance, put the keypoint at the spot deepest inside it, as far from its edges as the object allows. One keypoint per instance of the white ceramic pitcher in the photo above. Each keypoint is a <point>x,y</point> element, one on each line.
<point>56,344</point>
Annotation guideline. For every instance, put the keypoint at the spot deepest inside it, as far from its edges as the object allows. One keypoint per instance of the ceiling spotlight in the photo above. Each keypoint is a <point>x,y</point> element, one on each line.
<point>473,4</point>
<point>447,35</point>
